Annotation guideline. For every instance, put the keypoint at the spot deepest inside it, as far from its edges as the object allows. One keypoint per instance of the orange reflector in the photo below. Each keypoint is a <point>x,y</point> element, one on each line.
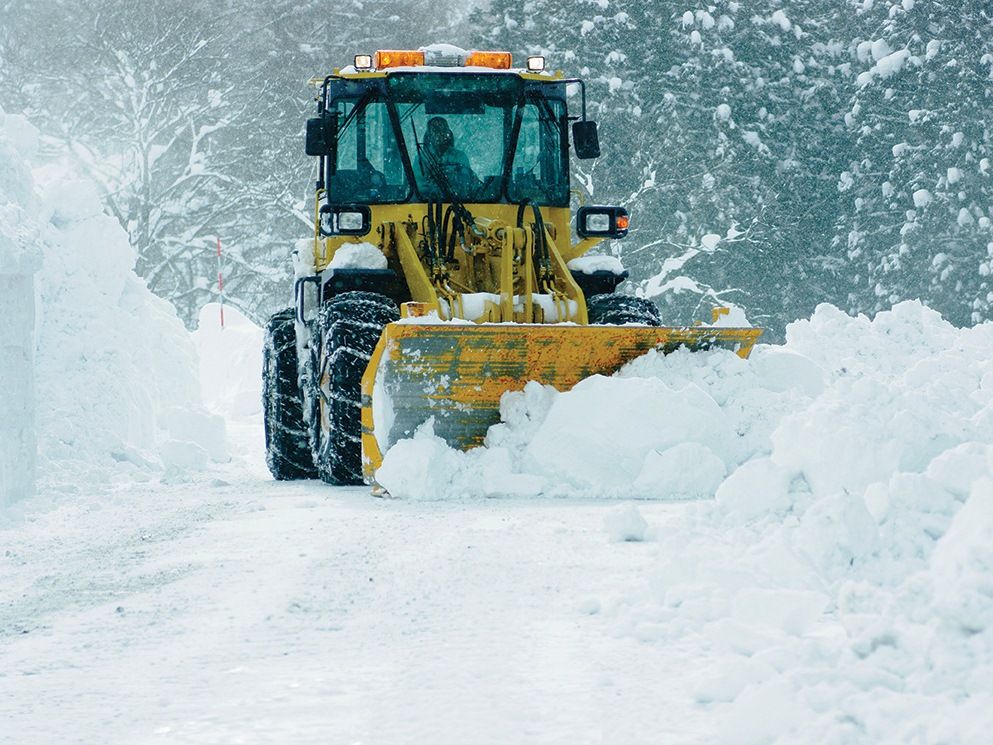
<point>496,60</point>
<point>398,58</point>
<point>622,222</point>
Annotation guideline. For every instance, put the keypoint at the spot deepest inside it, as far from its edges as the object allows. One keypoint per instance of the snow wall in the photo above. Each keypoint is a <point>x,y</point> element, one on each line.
<point>20,258</point>
<point>115,371</point>
<point>833,571</point>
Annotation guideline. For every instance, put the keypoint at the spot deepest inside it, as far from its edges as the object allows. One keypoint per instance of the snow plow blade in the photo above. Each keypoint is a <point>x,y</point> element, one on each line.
<point>457,373</point>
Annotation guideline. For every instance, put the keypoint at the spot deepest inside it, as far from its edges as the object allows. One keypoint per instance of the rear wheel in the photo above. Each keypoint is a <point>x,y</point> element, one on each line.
<point>616,310</point>
<point>287,443</point>
<point>350,325</point>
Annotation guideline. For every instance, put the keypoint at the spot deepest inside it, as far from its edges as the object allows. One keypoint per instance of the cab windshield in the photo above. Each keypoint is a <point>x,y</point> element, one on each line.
<point>435,137</point>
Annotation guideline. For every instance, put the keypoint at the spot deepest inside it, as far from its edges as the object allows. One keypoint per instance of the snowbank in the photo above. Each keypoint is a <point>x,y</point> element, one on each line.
<point>20,258</point>
<point>116,370</point>
<point>841,578</point>
<point>230,361</point>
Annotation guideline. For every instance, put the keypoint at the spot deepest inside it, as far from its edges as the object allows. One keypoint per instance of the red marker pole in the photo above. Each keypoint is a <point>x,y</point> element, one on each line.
<point>220,279</point>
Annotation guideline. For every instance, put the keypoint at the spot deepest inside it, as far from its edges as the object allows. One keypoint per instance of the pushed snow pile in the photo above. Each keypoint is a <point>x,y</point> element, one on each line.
<point>230,361</point>
<point>836,570</point>
<point>116,372</point>
<point>844,404</point>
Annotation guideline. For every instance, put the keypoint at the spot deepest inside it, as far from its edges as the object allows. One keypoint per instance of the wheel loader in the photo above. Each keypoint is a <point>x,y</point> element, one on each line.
<point>442,271</point>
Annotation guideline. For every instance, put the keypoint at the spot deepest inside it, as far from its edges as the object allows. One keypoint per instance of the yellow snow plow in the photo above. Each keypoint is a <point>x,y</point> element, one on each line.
<point>443,197</point>
<point>459,377</point>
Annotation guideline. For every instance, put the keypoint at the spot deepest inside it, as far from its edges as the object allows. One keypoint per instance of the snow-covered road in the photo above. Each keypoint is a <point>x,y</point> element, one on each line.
<point>238,610</point>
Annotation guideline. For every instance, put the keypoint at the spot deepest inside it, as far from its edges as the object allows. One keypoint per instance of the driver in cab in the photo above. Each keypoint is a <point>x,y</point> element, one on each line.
<point>438,161</point>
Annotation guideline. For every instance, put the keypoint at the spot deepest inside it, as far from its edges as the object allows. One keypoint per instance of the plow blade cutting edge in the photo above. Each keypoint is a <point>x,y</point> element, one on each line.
<point>457,373</point>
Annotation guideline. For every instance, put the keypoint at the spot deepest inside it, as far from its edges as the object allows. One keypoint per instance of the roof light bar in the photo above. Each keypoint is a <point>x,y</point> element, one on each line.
<point>363,62</point>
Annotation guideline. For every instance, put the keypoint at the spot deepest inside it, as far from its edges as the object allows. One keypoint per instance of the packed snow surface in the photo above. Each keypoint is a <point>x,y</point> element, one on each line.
<point>809,561</point>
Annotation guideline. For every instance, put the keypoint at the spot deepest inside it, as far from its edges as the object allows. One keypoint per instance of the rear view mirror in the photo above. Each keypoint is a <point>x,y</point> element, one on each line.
<point>602,222</point>
<point>585,140</point>
<point>322,131</point>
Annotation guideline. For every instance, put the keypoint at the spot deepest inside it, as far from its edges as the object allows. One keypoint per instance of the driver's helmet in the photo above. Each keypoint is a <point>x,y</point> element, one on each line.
<point>439,136</point>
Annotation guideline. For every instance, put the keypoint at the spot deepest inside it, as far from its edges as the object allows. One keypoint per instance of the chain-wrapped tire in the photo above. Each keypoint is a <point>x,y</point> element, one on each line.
<point>350,325</point>
<point>616,310</point>
<point>287,442</point>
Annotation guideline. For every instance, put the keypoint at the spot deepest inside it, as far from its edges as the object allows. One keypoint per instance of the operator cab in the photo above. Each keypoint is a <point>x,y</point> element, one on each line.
<point>441,123</point>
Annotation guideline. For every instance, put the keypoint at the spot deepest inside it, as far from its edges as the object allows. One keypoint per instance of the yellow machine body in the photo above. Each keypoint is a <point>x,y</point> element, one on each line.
<point>487,320</point>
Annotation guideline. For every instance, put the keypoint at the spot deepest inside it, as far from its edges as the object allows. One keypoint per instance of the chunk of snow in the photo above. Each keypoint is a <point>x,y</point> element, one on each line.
<point>688,470</point>
<point>734,318</point>
<point>922,198</point>
<point>358,256</point>
<point>879,49</point>
<point>723,112</point>
<point>790,611</point>
<point>596,263</point>
<point>752,138</point>
<point>709,241</point>
<point>625,524</point>
<point>780,19</point>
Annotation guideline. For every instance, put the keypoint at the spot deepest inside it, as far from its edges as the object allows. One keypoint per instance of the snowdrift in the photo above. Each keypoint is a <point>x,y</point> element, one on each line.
<point>836,572</point>
<point>230,362</point>
<point>116,372</point>
<point>20,258</point>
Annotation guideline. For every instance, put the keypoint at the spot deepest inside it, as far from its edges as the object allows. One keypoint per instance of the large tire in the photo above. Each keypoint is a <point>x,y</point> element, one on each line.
<point>287,442</point>
<point>350,325</point>
<point>616,310</point>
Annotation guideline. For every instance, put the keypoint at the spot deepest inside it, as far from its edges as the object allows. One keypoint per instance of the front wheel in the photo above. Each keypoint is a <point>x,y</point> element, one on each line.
<point>350,325</point>
<point>617,310</point>
<point>287,443</point>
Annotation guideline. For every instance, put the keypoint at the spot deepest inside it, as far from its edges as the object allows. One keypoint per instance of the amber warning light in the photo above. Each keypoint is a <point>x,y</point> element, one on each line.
<point>398,58</point>
<point>495,60</point>
<point>387,58</point>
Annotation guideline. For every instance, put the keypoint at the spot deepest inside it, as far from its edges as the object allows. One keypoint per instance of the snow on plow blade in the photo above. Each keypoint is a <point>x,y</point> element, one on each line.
<point>457,373</point>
